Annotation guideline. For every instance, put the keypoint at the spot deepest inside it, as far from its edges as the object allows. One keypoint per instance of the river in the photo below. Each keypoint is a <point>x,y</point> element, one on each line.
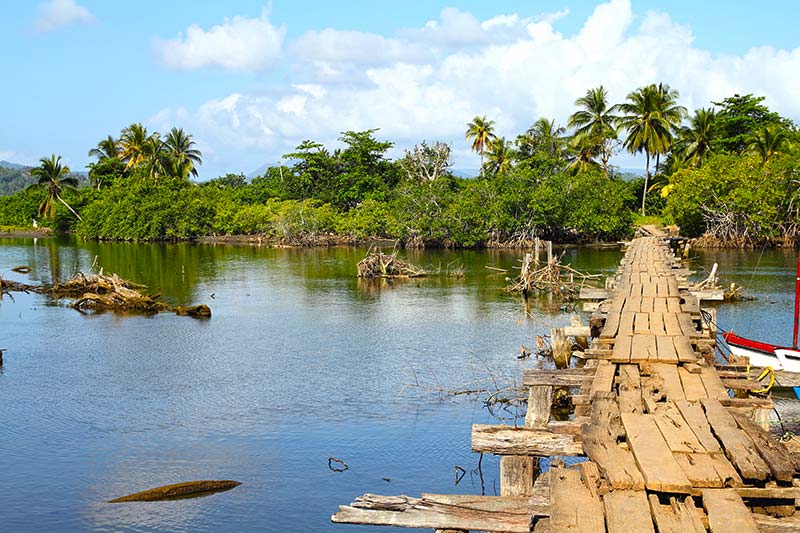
<point>300,362</point>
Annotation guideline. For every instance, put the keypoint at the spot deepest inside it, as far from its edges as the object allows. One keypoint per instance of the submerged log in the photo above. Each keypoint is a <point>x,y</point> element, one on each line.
<point>196,311</point>
<point>189,489</point>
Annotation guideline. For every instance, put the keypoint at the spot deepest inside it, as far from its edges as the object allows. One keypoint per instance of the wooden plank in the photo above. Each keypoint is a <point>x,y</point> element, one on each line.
<point>677,517</point>
<point>566,377</point>
<point>708,470</point>
<point>684,348</point>
<point>671,325</point>
<point>687,326</point>
<point>657,324</point>
<point>693,388</point>
<point>611,326</point>
<point>643,348</point>
<point>516,475</point>
<point>641,324</point>
<point>627,511</point>
<point>768,524</point>
<point>403,511</point>
<point>507,440</point>
<point>653,456</point>
<point>714,387</point>
<point>670,381</point>
<point>674,304</point>
<point>696,418</point>
<point>648,304</point>
<point>573,508</point>
<point>774,453</point>
<point>622,349</point>
<point>626,322</point>
<point>727,512</point>
<point>675,430</point>
<point>666,349</point>
<point>540,400</point>
<point>739,448</point>
<point>600,439</point>
<point>649,292</point>
<point>660,303</point>
<point>603,378</point>
<point>630,389</point>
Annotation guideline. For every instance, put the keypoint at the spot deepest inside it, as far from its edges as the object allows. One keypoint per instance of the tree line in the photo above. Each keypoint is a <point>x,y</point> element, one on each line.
<point>727,171</point>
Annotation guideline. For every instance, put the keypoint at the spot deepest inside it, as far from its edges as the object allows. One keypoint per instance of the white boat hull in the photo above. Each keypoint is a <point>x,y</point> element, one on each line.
<point>782,359</point>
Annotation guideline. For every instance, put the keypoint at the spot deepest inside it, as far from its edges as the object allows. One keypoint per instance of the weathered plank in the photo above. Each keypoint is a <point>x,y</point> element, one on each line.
<point>708,470</point>
<point>653,456</point>
<point>603,378</point>
<point>622,349</point>
<point>677,517</point>
<point>404,511</point>
<point>627,511</point>
<point>676,431</point>
<point>671,325</point>
<point>775,454</point>
<point>714,387</point>
<point>540,401</point>
<point>727,512</point>
<point>684,349</point>
<point>573,507</point>
<point>641,324</point>
<point>670,381</point>
<point>626,321</point>
<point>693,388</point>
<point>768,524</point>
<point>643,348</point>
<point>516,475</point>
<point>696,418</point>
<point>739,448</point>
<point>567,377</point>
<point>507,440</point>
<point>630,389</point>
<point>600,444</point>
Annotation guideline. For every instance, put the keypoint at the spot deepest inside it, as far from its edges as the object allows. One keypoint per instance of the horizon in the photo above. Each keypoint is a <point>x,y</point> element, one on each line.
<point>251,80</point>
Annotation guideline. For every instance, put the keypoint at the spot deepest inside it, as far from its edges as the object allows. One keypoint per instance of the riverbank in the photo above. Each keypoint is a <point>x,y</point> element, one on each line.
<point>12,231</point>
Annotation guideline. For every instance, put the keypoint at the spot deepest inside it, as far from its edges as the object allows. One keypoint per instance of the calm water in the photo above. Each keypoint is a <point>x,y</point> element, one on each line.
<point>300,362</point>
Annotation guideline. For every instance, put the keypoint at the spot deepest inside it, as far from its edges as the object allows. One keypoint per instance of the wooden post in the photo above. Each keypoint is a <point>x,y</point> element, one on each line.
<point>518,472</point>
<point>536,245</point>
<point>549,252</point>
<point>575,322</point>
<point>761,418</point>
<point>562,350</point>
<point>1,355</point>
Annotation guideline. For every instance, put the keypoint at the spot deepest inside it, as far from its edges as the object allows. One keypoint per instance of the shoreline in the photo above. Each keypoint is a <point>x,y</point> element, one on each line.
<point>26,232</point>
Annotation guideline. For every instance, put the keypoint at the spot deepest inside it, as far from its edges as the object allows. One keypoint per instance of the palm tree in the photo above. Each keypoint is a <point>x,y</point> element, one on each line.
<point>596,120</point>
<point>154,156</point>
<point>54,177</point>
<point>768,141</point>
<point>547,136</point>
<point>481,132</point>
<point>649,116</point>
<point>585,151</point>
<point>499,156</point>
<point>132,144</point>
<point>695,140</point>
<point>179,147</point>
<point>106,149</point>
<point>667,105</point>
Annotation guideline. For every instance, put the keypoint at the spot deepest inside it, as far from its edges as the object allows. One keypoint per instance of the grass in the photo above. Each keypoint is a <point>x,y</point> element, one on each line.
<point>650,220</point>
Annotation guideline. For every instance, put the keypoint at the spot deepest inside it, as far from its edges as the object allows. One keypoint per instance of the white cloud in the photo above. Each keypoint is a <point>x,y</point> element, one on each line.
<point>530,70</point>
<point>240,43</point>
<point>58,13</point>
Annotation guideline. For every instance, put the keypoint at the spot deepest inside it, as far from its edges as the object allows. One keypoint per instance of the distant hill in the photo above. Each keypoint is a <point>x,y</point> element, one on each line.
<point>15,177</point>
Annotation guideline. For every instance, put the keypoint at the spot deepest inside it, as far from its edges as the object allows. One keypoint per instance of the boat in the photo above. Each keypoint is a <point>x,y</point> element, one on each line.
<point>766,354</point>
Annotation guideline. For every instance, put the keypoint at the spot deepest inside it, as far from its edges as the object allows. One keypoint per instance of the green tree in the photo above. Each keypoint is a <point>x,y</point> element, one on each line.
<point>649,115</point>
<point>133,145</point>
<point>767,141</point>
<point>595,121</point>
<point>481,132</point>
<point>179,146</point>
<point>696,141</point>
<point>547,137</point>
<point>108,148</point>
<point>53,177</point>
<point>499,157</point>
<point>738,119</point>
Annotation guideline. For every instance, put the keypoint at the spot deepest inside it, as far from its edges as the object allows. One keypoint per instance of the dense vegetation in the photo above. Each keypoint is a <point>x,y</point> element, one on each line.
<point>729,172</point>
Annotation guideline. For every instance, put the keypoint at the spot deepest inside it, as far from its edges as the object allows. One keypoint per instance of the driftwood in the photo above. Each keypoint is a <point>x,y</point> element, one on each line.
<point>551,277</point>
<point>101,292</point>
<point>380,265</point>
<point>189,489</point>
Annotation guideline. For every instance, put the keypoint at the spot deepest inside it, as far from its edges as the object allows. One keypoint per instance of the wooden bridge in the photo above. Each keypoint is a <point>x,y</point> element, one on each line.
<point>668,448</point>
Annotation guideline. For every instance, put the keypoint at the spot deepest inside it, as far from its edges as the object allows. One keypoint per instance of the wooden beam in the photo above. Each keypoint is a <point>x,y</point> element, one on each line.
<point>572,506</point>
<point>507,440</point>
<point>727,512</point>
<point>653,456</point>
<point>739,448</point>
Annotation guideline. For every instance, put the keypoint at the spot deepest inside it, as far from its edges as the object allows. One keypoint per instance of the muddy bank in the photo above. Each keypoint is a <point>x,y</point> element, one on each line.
<point>25,232</point>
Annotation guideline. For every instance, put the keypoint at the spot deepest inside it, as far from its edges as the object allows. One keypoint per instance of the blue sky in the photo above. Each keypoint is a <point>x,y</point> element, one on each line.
<point>250,79</point>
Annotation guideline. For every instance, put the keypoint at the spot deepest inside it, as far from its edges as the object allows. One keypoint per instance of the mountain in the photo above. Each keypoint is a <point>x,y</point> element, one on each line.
<point>258,172</point>
<point>12,166</point>
<point>15,177</point>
